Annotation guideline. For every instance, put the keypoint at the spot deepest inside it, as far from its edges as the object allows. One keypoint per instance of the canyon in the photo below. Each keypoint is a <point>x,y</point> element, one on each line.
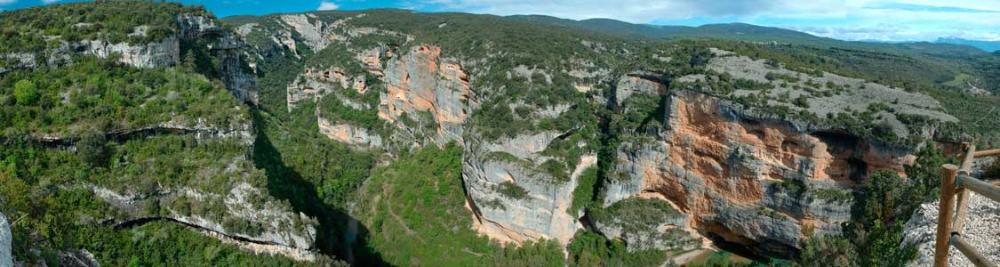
<point>668,149</point>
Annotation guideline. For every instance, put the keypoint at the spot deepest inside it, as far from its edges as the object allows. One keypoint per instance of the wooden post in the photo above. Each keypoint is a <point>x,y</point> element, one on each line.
<point>944,215</point>
<point>962,204</point>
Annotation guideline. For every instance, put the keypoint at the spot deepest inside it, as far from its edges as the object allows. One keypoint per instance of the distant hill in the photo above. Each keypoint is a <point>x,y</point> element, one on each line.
<point>729,31</point>
<point>988,46</point>
<point>754,33</point>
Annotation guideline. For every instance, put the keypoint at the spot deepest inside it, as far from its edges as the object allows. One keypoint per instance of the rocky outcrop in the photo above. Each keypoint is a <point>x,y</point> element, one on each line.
<point>743,178</point>
<point>982,227</point>
<point>638,83</point>
<point>12,61</point>
<point>314,33</point>
<point>317,83</point>
<point>77,258</point>
<point>513,199</point>
<point>420,82</point>
<point>646,224</point>
<point>372,59</point>
<point>349,134</point>
<point>6,242</point>
<point>165,52</point>
<point>191,27</point>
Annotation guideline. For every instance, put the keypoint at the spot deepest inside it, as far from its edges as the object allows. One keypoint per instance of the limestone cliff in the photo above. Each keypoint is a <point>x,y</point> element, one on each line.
<point>512,198</point>
<point>166,52</point>
<point>349,134</point>
<point>743,178</point>
<point>420,83</point>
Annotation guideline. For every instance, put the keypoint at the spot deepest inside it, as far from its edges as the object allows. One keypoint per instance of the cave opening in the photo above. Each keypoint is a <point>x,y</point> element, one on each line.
<point>757,251</point>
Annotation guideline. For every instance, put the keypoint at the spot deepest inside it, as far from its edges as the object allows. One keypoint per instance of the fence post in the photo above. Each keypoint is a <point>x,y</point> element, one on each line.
<point>944,215</point>
<point>962,203</point>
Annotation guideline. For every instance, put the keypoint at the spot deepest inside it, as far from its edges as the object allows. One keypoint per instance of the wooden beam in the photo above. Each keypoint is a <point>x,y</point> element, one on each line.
<point>970,252</point>
<point>948,172</point>
<point>962,203</point>
<point>983,188</point>
<point>988,153</point>
<point>967,159</point>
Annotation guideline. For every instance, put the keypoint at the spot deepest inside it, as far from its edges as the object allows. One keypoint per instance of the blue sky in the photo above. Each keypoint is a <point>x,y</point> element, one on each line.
<point>884,20</point>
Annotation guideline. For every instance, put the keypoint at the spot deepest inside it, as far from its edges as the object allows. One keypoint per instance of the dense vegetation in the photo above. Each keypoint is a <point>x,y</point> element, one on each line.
<point>114,21</point>
<point>100,95</point>
<point>415,213</point>
<point>53,221</point>
<point>69,129</point>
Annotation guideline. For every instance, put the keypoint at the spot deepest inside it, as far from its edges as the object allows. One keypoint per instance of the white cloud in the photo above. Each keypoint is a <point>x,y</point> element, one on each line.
<point>49,1</point>
<point>5,2</point>
<point>326,5</point>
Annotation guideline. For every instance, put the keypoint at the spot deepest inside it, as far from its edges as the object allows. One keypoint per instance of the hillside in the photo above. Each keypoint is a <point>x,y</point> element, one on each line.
<point>391,137</point>
<point>947,60</point>
<point>988,46</point>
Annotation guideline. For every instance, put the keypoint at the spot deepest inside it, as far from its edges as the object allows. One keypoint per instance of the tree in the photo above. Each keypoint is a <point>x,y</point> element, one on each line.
<point>93,148</point>
<point>25,92</point>
<point>925,174</point>
<point>827,251</point>
<point>878,232</point>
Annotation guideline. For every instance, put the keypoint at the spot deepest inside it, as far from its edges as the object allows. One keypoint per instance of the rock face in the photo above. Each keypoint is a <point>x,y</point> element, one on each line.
<point>638,83</point>
<point>226,48</point>
<point>982,227</point>
<point>494,173</point>
<point>743,178</point>
<point>240,81</point>
<point>166,52</point>
<point>428,90</point>
<point>349,134</point>
<point>646,224</point>
<point>314,84</point>
<point>6,241</point>
<point>313,33</point>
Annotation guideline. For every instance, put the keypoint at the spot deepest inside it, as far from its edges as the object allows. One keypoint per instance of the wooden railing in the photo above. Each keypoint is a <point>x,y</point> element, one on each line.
<point>957,181</point>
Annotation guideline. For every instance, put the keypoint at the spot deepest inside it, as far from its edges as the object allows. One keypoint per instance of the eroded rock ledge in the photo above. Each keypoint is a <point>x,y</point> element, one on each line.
<point>280,231</point>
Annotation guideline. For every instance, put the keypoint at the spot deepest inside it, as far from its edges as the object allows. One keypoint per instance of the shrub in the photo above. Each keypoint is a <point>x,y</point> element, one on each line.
<point>25,92</point>
<point>511,190</point>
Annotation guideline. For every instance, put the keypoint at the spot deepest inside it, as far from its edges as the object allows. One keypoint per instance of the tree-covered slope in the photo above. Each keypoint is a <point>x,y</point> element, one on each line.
<point>109,150</point>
